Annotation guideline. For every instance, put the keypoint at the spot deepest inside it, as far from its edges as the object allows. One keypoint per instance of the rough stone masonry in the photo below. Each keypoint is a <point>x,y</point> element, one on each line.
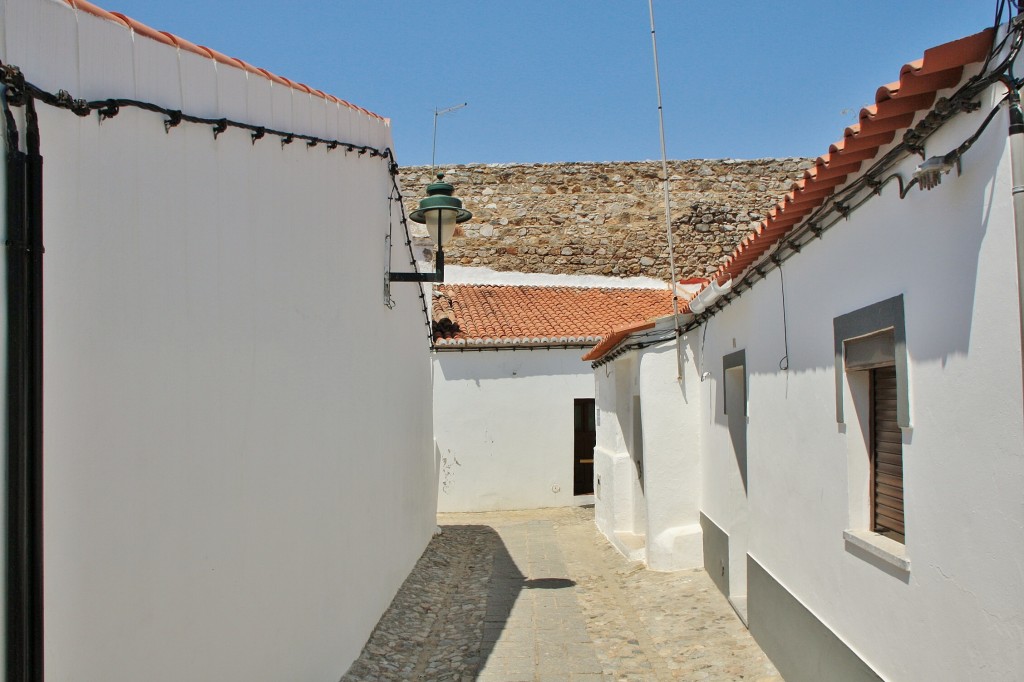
<point>607,218</point>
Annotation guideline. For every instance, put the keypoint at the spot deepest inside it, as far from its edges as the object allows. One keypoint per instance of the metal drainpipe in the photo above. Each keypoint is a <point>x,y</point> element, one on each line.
<point>24,617</point>
<point>1017,165</point>
<point>35,387</point>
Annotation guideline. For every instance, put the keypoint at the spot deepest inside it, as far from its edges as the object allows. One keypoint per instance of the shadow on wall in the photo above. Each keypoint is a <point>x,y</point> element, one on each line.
<point>736,418</point>
<point>460,593</point>
<point>939,307</point>
<point>506,364</point>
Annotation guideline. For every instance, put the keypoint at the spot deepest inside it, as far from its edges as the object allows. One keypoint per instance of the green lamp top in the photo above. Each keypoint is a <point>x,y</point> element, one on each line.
<point>439,196</point>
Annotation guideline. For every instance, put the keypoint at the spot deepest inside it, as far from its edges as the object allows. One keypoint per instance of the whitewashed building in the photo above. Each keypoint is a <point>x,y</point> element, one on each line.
<point>236,479</point>
<point>845,435</point>
<point>513,401</point>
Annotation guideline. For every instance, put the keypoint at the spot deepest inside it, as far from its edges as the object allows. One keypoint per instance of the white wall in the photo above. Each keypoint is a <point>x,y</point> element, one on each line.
<point>621,508</point>
<point>663,514</point>
<point>459,274</point>
<point>610,445</point>
<point>671,457</point>
<point>725,462</point>
<point>238,452</point>
<point>949,251</point>
<point>503,426</point>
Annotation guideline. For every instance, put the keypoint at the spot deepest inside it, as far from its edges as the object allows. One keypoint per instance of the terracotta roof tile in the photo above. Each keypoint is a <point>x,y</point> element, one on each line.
<point>615,338</point>
<point>170,39</point>
<point>896,105</point>
<point>491,314</point>
<point>895,108</point>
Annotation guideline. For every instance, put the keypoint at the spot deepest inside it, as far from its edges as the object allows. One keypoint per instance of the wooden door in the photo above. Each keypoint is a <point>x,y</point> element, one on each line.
<point>585,431</point>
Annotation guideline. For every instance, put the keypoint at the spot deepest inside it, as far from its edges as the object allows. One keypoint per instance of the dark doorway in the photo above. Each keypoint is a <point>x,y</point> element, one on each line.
<point>583,446</point>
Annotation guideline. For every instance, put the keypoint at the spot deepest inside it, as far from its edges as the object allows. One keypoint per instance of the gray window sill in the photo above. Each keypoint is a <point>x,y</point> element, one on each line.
<point>880,547</point>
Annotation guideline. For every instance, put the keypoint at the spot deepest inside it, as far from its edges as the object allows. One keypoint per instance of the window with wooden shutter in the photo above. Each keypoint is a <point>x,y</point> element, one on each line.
<point>872,362</point>
<point>873,336</point>
<point>887,456</point>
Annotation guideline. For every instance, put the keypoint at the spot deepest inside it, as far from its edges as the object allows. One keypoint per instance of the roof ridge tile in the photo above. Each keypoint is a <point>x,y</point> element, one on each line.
<point>896,106</point>
<point>206,52</point>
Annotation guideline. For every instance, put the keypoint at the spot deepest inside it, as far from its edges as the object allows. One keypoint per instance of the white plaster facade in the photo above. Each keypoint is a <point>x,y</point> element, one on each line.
<point>238,471</point>
<point>503,419</point>
<point>503,427</point>
<point>952,611</point>
<point>646,463</point>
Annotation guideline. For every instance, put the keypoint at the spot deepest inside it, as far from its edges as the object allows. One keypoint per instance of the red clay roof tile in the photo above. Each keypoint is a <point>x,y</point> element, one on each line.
<point>896,105</point>
<point>492,314</point>
<point>95,11</point>
<point>182,44</point>
<point>615,338</point>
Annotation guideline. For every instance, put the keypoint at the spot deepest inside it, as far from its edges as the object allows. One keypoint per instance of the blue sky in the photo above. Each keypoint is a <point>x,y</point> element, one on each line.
<point>572,80</point>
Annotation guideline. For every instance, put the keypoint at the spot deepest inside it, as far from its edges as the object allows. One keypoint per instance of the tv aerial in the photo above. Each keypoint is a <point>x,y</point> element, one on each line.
<point>438,113</point>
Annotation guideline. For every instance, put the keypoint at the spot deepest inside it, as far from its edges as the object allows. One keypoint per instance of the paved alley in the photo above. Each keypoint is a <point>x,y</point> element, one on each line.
<point>540,595</point>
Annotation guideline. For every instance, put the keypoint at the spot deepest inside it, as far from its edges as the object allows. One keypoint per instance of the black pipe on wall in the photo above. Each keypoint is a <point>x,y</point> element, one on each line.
<point>24,242</point>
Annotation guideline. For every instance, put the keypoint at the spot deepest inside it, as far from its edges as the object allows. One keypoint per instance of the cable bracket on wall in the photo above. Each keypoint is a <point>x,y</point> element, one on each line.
<point>173,120</point>
<point>220,127</point>
<point>109,111</point>
<point>14,82</point>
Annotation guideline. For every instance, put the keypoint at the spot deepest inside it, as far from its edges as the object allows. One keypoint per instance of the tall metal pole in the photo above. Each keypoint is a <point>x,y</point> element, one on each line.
<point>438,114</point>
<point>668,201</point>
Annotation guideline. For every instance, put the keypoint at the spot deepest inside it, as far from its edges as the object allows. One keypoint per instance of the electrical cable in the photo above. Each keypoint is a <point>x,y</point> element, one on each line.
<point>12,139</point>
<point>784,362</point>
<point>946,108</point>
<point>17,90</point>
<point>632,346</point>
<point>1000,6</point>
<point>408,243</point>
<point>389,303</point>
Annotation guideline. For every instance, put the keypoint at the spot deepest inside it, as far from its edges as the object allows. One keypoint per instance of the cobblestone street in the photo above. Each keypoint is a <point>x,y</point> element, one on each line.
<point>541,595</point>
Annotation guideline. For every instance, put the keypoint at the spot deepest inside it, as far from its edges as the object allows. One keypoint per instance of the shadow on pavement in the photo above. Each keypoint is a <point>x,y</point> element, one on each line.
<point>451,610</point>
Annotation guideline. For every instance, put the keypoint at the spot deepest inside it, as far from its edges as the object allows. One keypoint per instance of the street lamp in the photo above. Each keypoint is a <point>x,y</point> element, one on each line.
<point>440,212</point>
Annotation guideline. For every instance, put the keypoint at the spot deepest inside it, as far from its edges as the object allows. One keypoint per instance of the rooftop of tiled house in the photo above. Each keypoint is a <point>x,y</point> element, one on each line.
<point>895,109</point>
<point>615,337</point>
<point>508,315</point>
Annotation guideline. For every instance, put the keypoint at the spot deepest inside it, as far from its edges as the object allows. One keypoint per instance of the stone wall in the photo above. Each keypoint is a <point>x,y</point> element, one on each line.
<point>607,218</point>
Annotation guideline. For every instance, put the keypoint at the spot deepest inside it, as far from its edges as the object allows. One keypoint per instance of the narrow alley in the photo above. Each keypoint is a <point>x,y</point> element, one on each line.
<point>540,595</point>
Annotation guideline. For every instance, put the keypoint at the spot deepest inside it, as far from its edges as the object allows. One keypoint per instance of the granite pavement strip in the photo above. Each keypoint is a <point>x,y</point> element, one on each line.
<point>541,595</point>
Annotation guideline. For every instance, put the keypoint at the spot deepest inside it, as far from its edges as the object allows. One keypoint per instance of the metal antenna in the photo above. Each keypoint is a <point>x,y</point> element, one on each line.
<point>668,201</point>
<point>438,113</point>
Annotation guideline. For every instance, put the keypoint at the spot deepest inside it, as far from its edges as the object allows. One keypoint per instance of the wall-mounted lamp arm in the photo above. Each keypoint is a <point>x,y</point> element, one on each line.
<point>436,276</point>
<point>440,212</point>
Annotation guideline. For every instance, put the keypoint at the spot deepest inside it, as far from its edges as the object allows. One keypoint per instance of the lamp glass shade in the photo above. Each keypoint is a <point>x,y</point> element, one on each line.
<point>440,224</point>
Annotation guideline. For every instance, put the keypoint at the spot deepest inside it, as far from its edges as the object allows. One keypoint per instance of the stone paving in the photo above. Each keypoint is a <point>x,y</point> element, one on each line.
<point>541,595</point>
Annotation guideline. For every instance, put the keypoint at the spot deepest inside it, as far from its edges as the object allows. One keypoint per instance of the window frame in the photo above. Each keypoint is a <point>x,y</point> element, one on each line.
<point>868,321</point>
<point>860,324</point>
<point>732,361</point>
